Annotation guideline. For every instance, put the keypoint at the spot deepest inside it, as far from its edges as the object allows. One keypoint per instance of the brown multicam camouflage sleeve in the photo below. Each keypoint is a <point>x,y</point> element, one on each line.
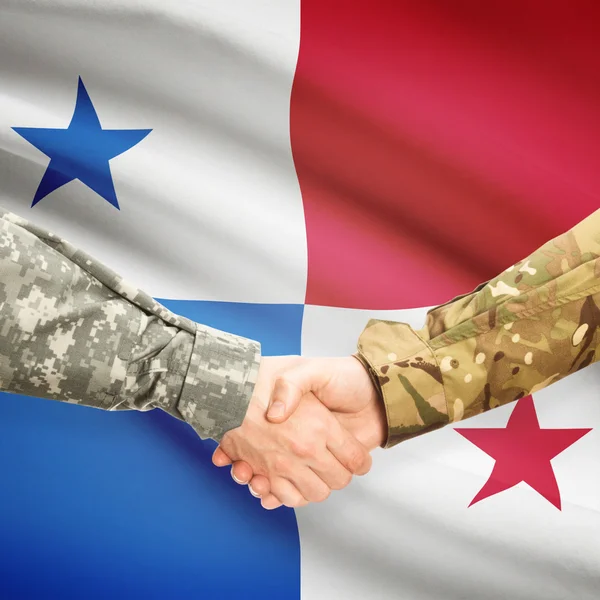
<point>72,330</point>
<point>532,325</point>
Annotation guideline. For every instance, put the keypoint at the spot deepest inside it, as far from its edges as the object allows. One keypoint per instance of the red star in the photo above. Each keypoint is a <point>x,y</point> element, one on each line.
<point>523,452</point>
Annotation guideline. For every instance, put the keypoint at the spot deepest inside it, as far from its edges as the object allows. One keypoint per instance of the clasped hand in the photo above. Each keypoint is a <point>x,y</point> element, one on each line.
<point>310,426</point>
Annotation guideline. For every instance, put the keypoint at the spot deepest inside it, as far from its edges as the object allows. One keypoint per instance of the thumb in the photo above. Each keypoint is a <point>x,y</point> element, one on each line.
<point>291,385</point>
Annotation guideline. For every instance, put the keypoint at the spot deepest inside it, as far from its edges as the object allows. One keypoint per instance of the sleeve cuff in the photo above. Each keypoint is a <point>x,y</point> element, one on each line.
<point>408,376</point>
<point>219,382</point>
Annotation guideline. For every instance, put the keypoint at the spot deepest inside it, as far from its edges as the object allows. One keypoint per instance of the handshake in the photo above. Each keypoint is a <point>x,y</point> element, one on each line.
<point>310,426</point>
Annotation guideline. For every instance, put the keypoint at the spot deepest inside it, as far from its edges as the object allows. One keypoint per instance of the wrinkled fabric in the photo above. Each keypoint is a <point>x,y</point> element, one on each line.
<point>530,326</point>
<point>73,330</point>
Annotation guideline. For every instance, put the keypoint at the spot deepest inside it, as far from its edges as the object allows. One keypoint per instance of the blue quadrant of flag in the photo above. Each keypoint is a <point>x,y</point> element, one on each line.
<point>124,505</point>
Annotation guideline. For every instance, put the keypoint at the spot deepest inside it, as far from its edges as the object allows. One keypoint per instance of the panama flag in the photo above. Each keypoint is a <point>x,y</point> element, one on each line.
<point>285,170</point>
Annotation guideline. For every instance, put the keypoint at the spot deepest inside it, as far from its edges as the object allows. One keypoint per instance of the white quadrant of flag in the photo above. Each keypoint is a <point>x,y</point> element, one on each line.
<point>406,530</point>
<point>210,206</point>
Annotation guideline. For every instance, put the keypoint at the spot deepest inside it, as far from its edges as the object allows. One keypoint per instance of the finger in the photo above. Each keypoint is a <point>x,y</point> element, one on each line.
<point>241,472</point>
<point>260,486</point>
<point>348,450</point>
<point>287,493</point>
<point>331,471</point>
<point>309,484</point>
<point>219,458</point>
<point>291,385</point>
<point>270,502</point>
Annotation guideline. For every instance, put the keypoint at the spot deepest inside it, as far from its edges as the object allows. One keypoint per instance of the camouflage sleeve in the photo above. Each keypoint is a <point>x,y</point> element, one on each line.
<point>532,325</point>
<point>72,330</point>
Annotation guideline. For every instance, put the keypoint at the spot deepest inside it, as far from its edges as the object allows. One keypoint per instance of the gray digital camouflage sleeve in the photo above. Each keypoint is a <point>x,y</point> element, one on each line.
<point>73,330</point>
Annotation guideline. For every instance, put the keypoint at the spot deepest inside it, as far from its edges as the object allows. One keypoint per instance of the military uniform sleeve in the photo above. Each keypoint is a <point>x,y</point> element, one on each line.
<point>74,331</point>
<point>530,326</point>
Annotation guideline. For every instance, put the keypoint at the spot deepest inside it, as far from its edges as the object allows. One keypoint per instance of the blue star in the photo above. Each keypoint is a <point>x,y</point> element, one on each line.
<point>81,151</point>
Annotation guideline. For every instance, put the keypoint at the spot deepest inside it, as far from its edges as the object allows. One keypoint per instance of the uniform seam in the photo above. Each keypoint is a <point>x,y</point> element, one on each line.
<point>437,363</point>
<point>184,375</point>
<point>384,397</point>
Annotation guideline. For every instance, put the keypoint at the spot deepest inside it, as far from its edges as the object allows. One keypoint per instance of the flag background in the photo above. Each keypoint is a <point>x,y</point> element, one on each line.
<point>310,165</point>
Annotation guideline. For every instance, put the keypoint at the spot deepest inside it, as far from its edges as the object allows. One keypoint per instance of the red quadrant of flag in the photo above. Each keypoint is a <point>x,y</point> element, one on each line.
<point>438,143</point>
<point>522,451</point>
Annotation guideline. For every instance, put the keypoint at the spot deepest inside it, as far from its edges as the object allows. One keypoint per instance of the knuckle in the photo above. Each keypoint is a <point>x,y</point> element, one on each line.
<point>322,494</point>
<point>320,429</point>
<point>281,384</point>
<point>344,480</point>
<point>356,460</point>
<point>278,384</point>
<point>280,463</point>
<point>367,465</point>
<point>303,448</point>
<point>270,502</point>
<point>292,500</point>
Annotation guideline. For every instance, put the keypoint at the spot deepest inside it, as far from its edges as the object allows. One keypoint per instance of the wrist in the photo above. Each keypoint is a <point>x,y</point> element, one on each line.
<point>375,429</point>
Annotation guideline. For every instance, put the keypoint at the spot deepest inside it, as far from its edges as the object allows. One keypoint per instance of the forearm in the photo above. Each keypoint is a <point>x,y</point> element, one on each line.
<point>72,330</point>
<point>530,326</point>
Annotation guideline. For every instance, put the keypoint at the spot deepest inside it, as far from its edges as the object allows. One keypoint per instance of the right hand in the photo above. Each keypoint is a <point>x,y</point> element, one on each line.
<point>343,386</point>
<point>304,455</point>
